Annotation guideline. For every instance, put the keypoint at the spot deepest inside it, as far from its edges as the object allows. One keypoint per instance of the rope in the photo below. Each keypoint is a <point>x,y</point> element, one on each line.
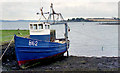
<point>7,48</point>
<point>25,67</point>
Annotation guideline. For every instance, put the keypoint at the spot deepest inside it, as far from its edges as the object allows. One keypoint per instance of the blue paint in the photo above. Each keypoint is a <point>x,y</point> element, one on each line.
<point>41,37</point>
<point>38,49</point>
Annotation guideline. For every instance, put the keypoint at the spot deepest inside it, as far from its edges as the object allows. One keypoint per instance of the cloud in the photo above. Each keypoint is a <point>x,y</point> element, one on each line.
<point>90,9</point>
<point>69,9</point>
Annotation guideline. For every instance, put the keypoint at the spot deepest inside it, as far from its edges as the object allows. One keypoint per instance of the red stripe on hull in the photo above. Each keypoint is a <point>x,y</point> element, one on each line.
<point>25,61</point>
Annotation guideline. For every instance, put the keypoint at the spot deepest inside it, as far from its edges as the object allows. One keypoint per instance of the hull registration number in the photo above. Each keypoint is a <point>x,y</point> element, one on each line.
<point>33,43</point>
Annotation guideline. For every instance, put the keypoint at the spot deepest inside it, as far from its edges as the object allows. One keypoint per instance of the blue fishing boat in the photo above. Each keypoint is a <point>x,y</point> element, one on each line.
<point>41,44</point>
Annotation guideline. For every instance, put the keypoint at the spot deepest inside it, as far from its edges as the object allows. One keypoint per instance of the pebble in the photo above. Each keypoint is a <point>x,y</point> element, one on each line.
<point>100,65</point>
<point>8,60</point>
<point>57,67</point>
<point>65,66</point>
<point>14,68</point>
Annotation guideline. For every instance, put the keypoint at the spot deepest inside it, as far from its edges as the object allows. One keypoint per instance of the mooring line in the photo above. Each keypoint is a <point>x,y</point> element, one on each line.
<point>23,67</point>
<point>7,48</point>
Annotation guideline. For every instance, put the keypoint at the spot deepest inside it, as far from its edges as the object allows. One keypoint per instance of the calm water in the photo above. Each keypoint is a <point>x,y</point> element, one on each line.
<point>86,38</point>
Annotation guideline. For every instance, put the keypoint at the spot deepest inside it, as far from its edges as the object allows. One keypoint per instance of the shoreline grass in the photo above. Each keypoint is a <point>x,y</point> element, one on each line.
<point>7,35</point>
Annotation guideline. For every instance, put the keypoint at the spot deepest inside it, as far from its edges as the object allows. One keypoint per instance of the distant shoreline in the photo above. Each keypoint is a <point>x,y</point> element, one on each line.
<point>50,21</point>
<point>109,23</point>
<point>18,20</point>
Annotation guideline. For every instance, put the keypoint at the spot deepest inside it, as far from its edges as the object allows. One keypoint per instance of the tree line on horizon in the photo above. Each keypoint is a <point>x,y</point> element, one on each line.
<point>78,20</point>
<point>86,20</point>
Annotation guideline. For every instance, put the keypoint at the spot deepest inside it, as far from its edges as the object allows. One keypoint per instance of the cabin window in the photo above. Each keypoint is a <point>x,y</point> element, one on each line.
<point>47,27</point>
<point>31,27</point>
<point>35,26</point>
<point>40,26</point>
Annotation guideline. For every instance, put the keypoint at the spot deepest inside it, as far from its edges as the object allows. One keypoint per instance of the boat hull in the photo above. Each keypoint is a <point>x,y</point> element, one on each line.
<point>30,49</point>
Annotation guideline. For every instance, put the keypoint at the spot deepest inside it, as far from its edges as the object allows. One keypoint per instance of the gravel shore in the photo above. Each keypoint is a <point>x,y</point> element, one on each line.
<point>72,63</point>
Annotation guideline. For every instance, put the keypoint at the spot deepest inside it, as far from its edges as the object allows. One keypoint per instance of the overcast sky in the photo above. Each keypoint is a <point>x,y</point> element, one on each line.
<point>17,9</point>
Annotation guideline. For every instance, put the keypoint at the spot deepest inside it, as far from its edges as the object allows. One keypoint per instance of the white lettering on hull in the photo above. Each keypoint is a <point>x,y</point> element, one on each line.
<point>33,43</point>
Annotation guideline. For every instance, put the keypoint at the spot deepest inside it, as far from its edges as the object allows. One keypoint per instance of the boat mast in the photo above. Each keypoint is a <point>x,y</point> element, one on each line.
<point>42,12</point>
<point>66,38</point>
<point>52,14</point>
